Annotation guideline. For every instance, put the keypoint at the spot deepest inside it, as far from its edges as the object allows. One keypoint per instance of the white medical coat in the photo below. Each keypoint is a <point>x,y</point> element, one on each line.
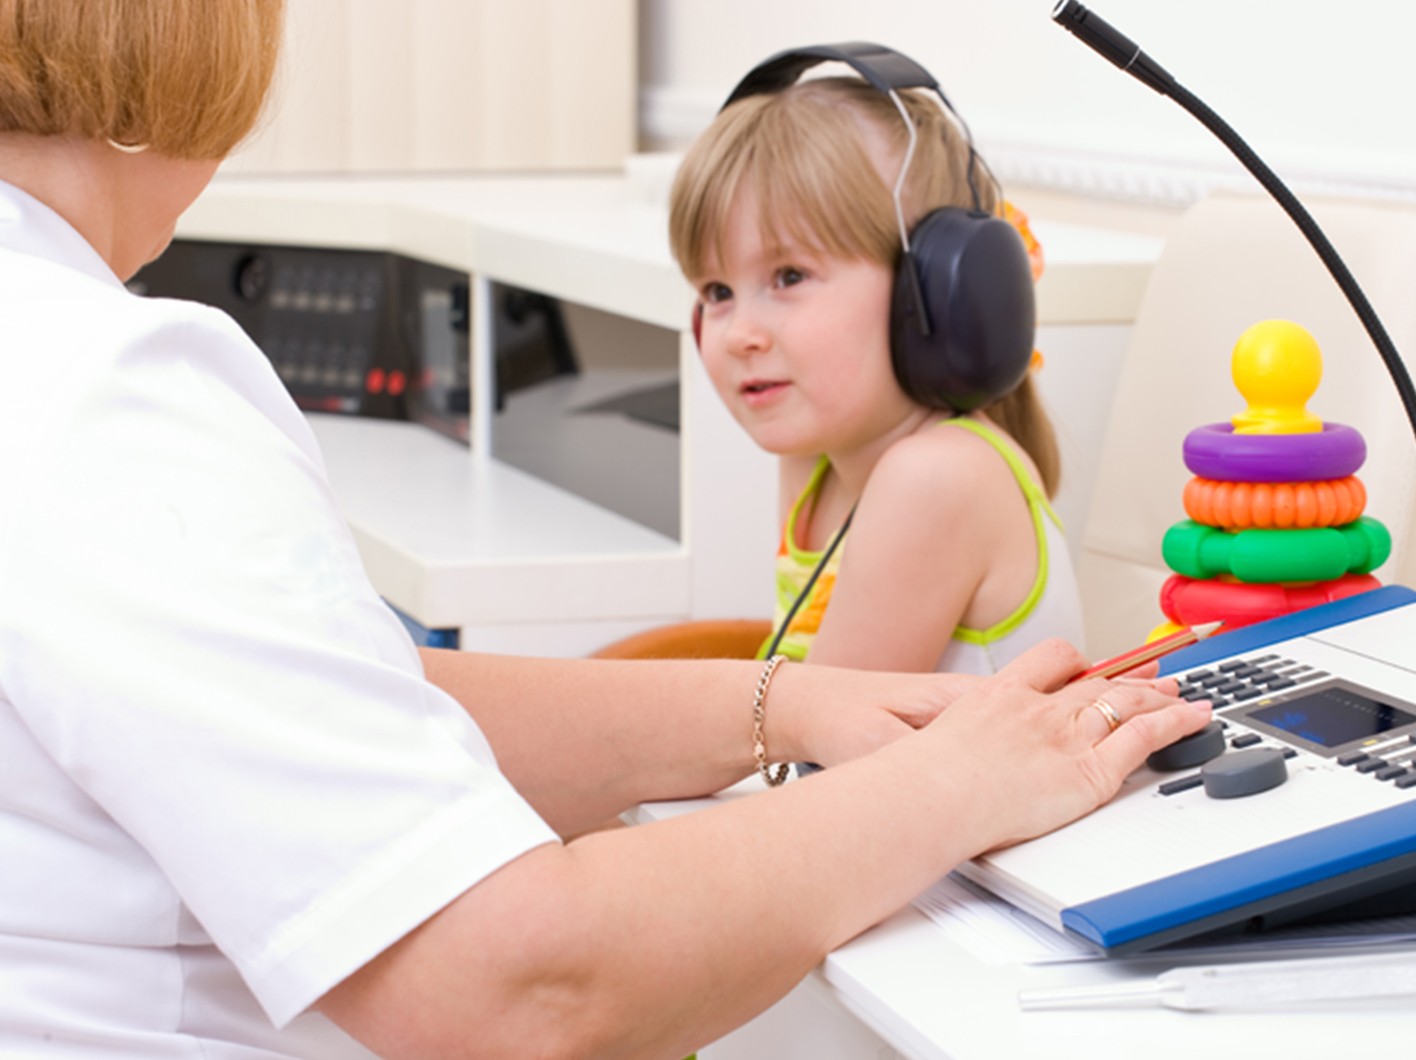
<point>224,782</point>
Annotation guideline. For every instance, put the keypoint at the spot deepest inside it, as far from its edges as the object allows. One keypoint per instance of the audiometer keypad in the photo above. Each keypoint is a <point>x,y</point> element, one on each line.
<point>1240,680</point>
<point>1282,707</point>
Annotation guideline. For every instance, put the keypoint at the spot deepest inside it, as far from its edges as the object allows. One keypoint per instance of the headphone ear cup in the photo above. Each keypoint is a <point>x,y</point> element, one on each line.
<point>975,291</point>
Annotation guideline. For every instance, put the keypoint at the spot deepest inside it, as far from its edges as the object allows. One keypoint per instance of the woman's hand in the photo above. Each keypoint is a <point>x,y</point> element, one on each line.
<point>1043,752</point>
<point>827,716</point>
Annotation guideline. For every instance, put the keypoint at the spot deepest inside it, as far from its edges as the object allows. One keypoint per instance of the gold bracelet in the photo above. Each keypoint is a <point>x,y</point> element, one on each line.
<point>759,717</point>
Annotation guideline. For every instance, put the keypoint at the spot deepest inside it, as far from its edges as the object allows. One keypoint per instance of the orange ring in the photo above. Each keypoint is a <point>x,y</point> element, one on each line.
<point>1275,505</point>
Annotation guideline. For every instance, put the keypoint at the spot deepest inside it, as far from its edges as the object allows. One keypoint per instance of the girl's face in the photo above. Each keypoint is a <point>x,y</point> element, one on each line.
<point>797,342</point>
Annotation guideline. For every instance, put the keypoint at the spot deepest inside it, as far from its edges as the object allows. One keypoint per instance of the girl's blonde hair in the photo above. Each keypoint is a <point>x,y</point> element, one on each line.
<point>186,78</point>
<point>805,154</point>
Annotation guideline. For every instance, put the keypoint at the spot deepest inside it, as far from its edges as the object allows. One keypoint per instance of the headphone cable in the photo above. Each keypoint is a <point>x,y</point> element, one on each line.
<point>806,589</point>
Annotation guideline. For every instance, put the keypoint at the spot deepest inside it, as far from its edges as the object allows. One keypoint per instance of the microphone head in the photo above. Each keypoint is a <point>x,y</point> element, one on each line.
<point>1111,44</point>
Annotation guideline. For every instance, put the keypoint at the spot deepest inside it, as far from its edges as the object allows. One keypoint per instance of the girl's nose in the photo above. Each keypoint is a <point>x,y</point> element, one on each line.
<point>747,331</point>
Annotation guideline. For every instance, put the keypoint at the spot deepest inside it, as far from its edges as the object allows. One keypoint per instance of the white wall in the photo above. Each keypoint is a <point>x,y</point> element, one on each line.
<point>1324,92</point>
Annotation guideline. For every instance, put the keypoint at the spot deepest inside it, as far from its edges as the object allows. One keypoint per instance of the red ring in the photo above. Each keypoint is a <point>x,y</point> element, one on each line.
<point>1193,601</point>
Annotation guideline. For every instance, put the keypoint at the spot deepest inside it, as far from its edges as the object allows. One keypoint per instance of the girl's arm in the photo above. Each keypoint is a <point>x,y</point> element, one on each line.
<point>942,534</point>
<point>651,941</point>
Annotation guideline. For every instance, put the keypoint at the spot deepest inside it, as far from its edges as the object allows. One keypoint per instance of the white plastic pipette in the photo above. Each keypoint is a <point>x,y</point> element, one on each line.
<point>1253,985</point>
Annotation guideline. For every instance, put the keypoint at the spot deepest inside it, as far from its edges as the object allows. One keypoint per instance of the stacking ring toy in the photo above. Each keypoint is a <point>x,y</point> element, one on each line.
<point>1315,555</point>
<point>1188,602</point>
<point>1216,451</point>
<point>1278,505</point>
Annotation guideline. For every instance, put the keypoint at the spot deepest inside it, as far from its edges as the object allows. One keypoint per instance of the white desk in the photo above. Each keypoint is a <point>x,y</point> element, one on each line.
<point>518,565</point>
<point>906,988</point>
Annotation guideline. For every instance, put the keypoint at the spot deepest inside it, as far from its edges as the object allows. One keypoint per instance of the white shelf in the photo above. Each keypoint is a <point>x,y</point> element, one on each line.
<point>454,541</point>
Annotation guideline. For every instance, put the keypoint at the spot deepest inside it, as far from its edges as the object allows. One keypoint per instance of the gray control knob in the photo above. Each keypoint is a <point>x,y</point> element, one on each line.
<point>1189,750</point>
<point>1244,773</point>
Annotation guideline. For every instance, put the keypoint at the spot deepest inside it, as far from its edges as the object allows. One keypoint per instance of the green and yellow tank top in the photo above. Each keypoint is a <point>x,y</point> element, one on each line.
<point>1052,606</point>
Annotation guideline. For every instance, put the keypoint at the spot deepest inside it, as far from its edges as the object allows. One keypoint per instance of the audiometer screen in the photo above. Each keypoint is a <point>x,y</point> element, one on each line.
<point>1334,716</point>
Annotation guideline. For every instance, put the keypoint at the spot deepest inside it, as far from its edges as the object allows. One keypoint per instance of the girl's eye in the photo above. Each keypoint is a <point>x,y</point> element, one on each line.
<point>716,292</point>
<point>789,275</point>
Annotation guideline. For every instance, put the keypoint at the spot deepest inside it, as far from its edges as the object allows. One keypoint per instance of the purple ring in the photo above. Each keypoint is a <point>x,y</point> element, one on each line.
<point>1215,451</point>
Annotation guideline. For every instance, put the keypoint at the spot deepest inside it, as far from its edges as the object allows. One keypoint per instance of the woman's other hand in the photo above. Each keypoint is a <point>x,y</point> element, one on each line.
<point>829,716</point>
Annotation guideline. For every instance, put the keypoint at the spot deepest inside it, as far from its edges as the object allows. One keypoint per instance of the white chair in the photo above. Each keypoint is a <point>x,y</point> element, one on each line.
<point>1232,261</point>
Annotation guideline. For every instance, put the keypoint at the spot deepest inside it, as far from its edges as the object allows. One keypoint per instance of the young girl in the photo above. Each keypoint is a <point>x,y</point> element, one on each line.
<point>784,220</point>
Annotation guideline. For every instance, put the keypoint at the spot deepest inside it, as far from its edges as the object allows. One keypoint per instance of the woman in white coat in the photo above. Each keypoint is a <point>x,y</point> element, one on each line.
<point>243,816</point>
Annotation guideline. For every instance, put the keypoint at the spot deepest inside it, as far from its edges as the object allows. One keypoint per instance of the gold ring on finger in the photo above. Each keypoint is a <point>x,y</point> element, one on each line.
<point>1107,711</point>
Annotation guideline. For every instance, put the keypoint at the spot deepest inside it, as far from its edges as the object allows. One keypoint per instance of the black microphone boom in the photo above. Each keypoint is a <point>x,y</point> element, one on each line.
<point>1117,48</point>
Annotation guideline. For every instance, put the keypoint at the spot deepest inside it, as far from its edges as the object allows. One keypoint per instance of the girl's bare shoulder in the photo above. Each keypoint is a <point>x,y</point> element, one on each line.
<point>946,458</point>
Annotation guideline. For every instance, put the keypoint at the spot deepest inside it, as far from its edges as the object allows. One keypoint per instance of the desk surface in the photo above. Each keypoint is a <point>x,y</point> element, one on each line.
<point>931,998</point>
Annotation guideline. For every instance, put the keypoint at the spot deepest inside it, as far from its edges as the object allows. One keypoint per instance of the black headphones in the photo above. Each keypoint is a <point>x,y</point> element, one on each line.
<point>963,312</point>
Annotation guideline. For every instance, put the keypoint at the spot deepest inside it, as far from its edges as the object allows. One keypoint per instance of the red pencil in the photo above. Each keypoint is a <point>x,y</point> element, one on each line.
<point>1127,661</point>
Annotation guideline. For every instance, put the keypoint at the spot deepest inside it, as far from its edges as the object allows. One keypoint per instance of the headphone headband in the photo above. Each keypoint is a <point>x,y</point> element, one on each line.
<point>884,68</point>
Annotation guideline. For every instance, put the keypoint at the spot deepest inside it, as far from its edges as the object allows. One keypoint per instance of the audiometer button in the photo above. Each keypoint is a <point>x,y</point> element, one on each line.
<point>1352,758</point>
<point>1245,739</point>
<point>1371,765</point>
<point>1189,750</point>
<point>1391,773</point>
<point>1174,787</point>
<point>1242,773</point>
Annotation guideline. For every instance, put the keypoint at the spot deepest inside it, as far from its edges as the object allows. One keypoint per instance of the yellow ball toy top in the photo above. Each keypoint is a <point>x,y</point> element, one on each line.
<point>1277,367</point>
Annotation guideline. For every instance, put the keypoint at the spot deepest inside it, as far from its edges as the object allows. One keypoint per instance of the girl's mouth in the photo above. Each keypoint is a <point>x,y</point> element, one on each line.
<point>762,393</point>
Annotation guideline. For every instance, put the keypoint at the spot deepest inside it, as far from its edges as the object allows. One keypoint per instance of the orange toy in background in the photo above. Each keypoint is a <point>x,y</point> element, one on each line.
<point>1274,505</point>
<point>1274,492</point>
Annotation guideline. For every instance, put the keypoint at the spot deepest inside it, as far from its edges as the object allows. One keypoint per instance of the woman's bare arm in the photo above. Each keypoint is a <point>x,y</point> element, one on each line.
<point>651,941</point>
<point>584,739</point>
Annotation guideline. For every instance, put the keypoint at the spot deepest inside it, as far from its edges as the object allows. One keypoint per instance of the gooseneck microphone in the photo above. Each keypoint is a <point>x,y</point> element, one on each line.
<point>1119,49</point>
<point>1101,36</point>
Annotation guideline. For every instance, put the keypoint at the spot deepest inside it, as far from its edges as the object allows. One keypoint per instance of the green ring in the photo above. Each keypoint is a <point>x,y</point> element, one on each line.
<point>1269,555</point>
